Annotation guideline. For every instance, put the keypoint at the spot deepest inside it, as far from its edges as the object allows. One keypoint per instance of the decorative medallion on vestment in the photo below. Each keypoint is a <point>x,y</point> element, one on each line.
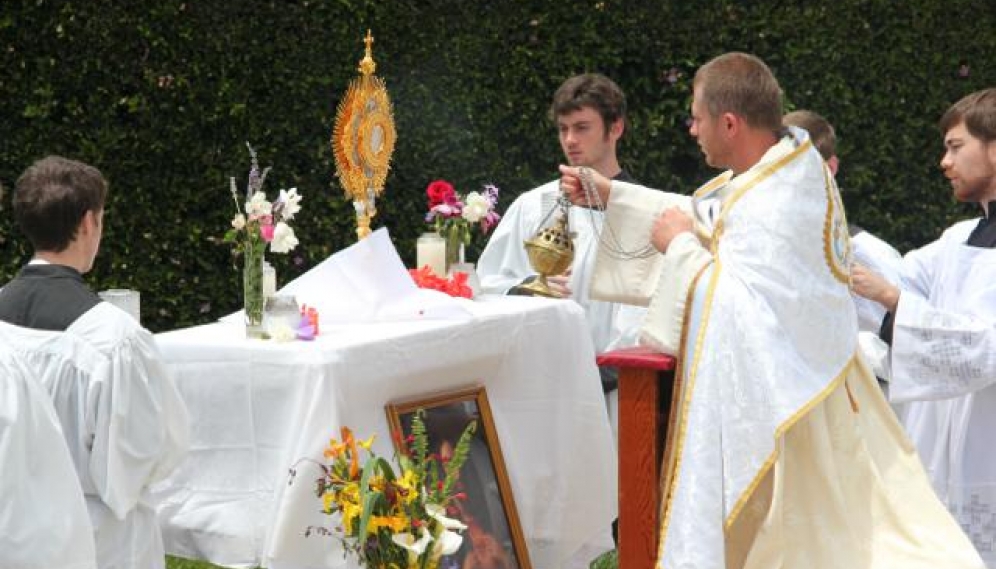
<point>836,239</point>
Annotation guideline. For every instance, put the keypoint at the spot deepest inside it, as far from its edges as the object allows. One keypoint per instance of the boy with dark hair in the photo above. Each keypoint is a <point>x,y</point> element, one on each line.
<point>121,414</point>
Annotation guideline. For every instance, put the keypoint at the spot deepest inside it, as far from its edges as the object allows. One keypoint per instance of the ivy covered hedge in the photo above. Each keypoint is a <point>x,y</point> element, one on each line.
<point>161,96</point>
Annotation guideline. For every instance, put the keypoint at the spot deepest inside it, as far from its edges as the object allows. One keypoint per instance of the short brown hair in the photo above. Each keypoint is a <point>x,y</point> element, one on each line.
<point>820,130</point>
<point>51,198</point>
<point>977,111</point>
<point>590,90</point>
<point>741,84</point>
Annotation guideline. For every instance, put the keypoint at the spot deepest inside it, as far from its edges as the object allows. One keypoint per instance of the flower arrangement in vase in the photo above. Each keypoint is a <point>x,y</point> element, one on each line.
<point>259,223</point>
<point>394,518</point>
<point>453,215</point>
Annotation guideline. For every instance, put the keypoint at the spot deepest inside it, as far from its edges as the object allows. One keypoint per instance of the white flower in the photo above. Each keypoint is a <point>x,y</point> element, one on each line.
<point>437,511</point>
<point>408,541</point>
<point>447,543</point>
<point>291,201</point>
<point>281,332</point>
<point>283,238</point>
<point>475,207</point>
<point>258,205</point>
<point>239,222</point>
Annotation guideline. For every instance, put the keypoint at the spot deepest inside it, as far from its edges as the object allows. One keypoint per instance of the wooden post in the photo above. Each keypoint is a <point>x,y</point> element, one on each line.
<point>645,380</point>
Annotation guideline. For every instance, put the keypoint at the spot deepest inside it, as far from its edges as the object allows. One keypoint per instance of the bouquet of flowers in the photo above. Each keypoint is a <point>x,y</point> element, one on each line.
<point>259,224</point>
<point>395,519</point>
<point>453,214</point>
<point>262,222</point>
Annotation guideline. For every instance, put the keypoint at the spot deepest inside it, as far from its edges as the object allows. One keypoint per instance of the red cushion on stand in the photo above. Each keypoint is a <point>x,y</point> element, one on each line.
<point>636,357</point>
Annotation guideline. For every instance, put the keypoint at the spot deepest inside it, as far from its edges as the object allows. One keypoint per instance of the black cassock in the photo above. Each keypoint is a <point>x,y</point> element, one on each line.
<point>46,297</point>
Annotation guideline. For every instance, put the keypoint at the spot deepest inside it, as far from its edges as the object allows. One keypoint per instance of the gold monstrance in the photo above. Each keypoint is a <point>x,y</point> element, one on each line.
<point>363,140</point>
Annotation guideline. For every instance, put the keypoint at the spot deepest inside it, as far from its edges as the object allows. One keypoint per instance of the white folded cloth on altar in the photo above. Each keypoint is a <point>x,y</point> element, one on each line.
<point>368,282</point>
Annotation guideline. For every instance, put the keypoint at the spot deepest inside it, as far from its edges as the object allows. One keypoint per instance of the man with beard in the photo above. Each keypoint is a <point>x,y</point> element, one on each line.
<point>941,325</point>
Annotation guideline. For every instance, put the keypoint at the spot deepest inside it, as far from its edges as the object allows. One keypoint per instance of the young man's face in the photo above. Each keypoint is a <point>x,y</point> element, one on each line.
<point>970,165</point>
<point>584,139</point>
<point>707,131</point>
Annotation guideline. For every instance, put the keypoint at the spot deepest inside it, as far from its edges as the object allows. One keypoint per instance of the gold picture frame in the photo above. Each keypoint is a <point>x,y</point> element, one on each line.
<point>489,509</point>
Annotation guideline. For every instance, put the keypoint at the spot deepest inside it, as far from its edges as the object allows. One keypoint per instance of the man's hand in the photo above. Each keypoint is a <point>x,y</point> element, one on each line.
<point>873,286</point>
<point>670,223</point>
<point>571,186</point>
<point>560,284</point>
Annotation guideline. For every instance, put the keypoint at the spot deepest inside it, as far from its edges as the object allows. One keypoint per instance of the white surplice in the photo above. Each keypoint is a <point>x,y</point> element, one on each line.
<point>43,520</point>
<point>504,263</point>
<point>783,452</point>
<point>943,361</point>
<point>122,417</point>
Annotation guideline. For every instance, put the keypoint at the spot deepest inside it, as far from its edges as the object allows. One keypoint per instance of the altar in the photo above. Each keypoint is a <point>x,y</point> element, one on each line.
<point>258,407</point>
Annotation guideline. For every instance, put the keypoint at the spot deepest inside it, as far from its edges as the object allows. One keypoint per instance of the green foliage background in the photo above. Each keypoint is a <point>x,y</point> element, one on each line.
<point>161,96</point>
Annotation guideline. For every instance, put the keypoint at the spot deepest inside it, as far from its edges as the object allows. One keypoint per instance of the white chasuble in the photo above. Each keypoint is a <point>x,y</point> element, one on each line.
<point>122,418</point>
<point>943,362</point>
<point>784,453</point>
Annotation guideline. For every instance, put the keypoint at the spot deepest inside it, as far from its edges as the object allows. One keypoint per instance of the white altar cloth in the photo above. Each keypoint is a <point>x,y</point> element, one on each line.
<point>257,407</point>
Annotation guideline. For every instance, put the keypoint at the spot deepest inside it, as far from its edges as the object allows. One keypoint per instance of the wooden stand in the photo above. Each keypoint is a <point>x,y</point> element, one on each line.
<point>645,387</point>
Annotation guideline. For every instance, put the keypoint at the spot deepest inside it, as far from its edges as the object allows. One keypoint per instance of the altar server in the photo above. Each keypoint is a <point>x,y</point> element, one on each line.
<point>589,111</point>
<point>43,520</point>
<point>784,452</point>
<point>942,328</point>
<point>120,412</point>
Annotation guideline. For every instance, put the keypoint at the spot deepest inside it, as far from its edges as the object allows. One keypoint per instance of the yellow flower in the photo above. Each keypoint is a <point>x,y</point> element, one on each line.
<point>409,483</point>
<point>350,512</point>
<point>328,501</point>
<point>396,524</point>
<point>367,443</point>
<point>334,449</point>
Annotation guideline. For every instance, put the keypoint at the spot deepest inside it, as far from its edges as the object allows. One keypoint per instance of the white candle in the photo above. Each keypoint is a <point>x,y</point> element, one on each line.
<point>269,280</point>
<point>430,249</point>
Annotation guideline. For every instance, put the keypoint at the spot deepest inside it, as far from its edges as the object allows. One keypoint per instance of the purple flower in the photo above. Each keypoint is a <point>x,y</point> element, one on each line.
<point>305,330</point>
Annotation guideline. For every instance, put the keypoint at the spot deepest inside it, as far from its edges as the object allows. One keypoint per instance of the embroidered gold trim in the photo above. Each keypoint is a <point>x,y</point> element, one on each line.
<point>673,457</point>
<point>712,184</point>
<point>835,204</point>
<point>762,175</point>
<point>756,178</point>
<point>779,433</point>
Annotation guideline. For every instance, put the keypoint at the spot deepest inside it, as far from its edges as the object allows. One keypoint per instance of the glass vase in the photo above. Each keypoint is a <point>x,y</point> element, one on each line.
<point>253,297</point>
<point>454,250</point>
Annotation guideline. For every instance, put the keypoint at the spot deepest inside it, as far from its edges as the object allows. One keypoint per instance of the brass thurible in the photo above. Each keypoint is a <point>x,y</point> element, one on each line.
<point>551,252</point>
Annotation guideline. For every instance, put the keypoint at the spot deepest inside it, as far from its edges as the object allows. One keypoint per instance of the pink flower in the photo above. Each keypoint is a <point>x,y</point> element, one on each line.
<point>266,231</point>
<point>447,210</point>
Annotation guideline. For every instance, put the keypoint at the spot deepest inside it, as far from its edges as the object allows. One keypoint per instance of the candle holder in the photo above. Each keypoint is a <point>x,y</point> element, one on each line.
<point>430,249</point>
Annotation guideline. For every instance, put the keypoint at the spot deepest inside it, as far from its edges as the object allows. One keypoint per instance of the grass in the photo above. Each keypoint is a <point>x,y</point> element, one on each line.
<point>181,563</point>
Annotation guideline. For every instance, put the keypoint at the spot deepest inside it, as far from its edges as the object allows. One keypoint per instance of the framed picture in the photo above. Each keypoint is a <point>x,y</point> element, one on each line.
<point>493,538</point>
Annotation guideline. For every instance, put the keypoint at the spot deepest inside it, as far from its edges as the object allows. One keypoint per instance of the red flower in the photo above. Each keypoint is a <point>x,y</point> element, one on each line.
<point>455,286</point>
<point>440,192</point>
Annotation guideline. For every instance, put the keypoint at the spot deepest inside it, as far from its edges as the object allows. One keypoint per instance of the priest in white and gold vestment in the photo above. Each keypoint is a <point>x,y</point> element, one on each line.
<point>783,452</point>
